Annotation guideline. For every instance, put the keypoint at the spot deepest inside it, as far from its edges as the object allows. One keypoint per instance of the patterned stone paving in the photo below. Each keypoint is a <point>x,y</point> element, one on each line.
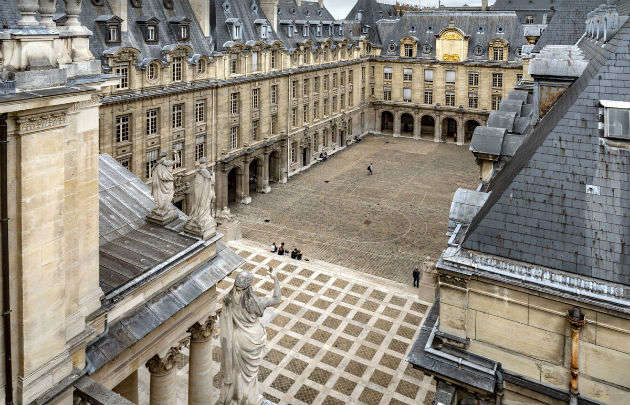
<point>381,224</point>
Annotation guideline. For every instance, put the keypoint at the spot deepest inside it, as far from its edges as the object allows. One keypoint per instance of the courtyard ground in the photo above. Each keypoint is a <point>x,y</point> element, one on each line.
<point>382,224</point>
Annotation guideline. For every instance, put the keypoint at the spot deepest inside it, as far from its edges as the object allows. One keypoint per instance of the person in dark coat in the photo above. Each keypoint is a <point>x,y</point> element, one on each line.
<point>416,277</point>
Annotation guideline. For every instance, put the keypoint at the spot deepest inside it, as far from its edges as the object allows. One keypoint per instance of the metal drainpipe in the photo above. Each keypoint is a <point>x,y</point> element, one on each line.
<point>576,320</point>
<point>4,230</point>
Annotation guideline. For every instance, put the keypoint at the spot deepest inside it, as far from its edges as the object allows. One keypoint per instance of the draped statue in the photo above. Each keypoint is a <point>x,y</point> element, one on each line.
<point>163,190</point>
<point>243,340</point>
<point>201,219</point>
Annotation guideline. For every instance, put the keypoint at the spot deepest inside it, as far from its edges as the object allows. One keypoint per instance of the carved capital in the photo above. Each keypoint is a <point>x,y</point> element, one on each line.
<point>161,365</point>
<point>202,332</point>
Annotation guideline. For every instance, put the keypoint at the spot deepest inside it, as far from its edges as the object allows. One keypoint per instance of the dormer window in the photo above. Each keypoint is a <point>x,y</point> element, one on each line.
<point>149,28</point>
<point>305,30</point>
<point>616,119</point>
<point>236,32</point>
<point>184,32</point>
<point>113,33</point>
<point>340,30</point>
<point>365,30</point>
<point>151,33</point>
<point>359,16</point>
<point>290,31</point>
<point>319,30</point>
<point>111,25</point>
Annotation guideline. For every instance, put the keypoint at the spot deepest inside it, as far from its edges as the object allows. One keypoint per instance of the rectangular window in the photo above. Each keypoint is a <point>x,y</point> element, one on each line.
<point>316,110</point>
<point>450,76</point>
<point>325,107</point>
<point>350,76</point>
<point>233,64</point>
<point>334,103</point>
<point>326,79</point>
<point>152,158</point>
<point>428,97</point>
<point>234,103</point>
<point>342,79</point>
<point>200,147</point>
<point>177,69</point>
<point>294,117</point>
<point>293,152</point>
<point>200,111</point>
<point>178,154</point>
<point>306,87</point>
<point>123,72</point>
<point>407,75</point>
<point>519,77</point>
<point>125,162</point>
<point>473,100</point>
<point>496,101</point>
<point>428,75</point>
<point>616,121</point>
<point>122,128</point>
<point>387,73</point>
<point>409,50</point>
<point>177,117</point>
<point>274,59</point>
<point>362,93</point>
<point>387,93</point>
<point>342,101</point>
<point>497,80</point>
<point>255,130</point>
<point>274,124</point>
<point>334,80</point>
<point>473,78</point>
<point>316,84</point>
<point>350,99</point>
<point>255,98</point>
<point>255,61</point>
<point>363,74</point>
<point>372,72</point>
<point>497,53</point>
<point>294,89</point>
<point>234,137</point>
<point>450,98</point>
<point>274,94</point>
<point>152,121</point>
<point>407,95</point>
<point>305,113</point>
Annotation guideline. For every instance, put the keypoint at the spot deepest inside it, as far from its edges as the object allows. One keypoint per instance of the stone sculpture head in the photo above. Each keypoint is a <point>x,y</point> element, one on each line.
<point>243,280</point>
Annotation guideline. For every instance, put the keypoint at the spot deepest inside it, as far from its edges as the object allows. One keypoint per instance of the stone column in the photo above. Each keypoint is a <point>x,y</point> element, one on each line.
<point>128,388</point>
<point>284,161</point>
<point>397,124</point>
<point>377,120</point>
<point>460,132</point>
<point>264,176</point>
<point>221,188</point>
<point>244,192</point>
<point>199,376</point>
<point>163,385</point>
<point>438,129</point>
<point>417,126</point>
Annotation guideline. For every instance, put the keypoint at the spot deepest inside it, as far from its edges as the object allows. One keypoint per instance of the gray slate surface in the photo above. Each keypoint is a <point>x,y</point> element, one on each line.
<point>538,211</point>
<point>567,24</point>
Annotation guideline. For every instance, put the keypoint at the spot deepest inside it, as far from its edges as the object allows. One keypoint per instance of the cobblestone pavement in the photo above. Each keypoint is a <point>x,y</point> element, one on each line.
<point>339,337</point>
<point>381,224</point>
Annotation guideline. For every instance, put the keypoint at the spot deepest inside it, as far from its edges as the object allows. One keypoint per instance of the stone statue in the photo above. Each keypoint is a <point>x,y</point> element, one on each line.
<point>243,340</point>
<point>201,219</point>
<point>163,190</point>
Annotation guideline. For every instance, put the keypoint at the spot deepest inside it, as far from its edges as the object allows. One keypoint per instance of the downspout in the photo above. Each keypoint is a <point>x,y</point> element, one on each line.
<point>576,320</point>
<point>4,231</point>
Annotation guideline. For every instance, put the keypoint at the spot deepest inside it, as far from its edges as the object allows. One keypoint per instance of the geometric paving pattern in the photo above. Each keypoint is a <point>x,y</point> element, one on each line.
<point>382,224</point>
<point>338,337</point>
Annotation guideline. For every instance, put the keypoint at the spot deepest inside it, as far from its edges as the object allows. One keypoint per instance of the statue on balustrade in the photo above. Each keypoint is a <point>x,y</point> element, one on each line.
<point>243,340</point>
<point>163,190</point>
<point>201,218</point>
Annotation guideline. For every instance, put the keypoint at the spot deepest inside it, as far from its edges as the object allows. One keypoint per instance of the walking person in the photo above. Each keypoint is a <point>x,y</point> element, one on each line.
<point>371,169</point>
<point>416,277</point>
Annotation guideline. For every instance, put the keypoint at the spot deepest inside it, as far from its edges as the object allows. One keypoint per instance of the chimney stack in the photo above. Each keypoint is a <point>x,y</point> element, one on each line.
<point>119,8</point>
<point>270,8</point>
<point>201,8</point>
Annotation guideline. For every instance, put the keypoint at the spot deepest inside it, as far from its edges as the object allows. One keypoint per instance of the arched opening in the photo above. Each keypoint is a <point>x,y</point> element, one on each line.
<point>427,127</point>
<point>342,137</point>
<point>387,122</point>
<point>306,152</point>
<point>255,172</point>
<point>232,180</point>
<point>449,130</point>
<point>274,167</point>
<point>469,130</point>
<point>406,124</point>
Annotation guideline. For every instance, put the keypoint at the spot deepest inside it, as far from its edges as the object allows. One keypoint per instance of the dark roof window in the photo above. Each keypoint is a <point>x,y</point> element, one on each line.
<point>182,27</point>
<point>168,4</point>
<point>149,28</point>
<point>500,28</point>
<point>111,24</point>
<point>136,3</point>
<point>226,7</point>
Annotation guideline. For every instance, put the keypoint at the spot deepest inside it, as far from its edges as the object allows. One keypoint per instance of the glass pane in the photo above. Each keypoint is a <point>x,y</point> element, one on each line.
<point>618,123</point>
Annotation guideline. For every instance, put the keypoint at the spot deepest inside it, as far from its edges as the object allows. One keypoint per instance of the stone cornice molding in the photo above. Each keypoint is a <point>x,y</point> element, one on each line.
<point>40,122</point>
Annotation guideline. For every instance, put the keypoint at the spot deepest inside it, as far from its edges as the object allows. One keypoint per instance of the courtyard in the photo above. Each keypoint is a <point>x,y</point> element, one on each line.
<point>382,224</point>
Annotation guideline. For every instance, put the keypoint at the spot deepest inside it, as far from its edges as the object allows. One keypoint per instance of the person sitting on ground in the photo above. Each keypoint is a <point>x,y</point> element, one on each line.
<point>281,249</point>
<point>274,248</point>
<point>294,253</point>
<point>298,254</point>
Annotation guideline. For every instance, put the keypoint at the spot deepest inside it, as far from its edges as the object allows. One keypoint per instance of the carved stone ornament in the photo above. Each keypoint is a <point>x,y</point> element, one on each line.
<point>159,365</point>
<point>202,332</point>
<point>40,122</point>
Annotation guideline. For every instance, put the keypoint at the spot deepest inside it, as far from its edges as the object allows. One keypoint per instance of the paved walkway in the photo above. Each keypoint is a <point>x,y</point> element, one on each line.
<point>381,224</point>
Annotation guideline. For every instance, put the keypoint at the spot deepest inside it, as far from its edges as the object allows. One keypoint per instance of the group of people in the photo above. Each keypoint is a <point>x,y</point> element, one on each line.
<point>323,156</point>
<point>281,251</point>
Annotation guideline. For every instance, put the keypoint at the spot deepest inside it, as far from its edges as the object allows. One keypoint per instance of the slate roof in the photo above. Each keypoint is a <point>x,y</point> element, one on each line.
<point>290,14</point>
<point>539,210</point>
<point>480,26</point>
<point>567,24</point>
<point>246,13</point>
<point>129,245</point>
<point>371,12</point>
<point>541,10</point>
<point>155,311</point>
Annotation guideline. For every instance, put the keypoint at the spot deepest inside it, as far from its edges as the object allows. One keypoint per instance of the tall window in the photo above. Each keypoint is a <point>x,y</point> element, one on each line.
<point>529,19</point>
<point>334,80</point>
<point>316,110</point>
<point>293,152</point>
<point>274,59</point>
<point>334,103</point>
<point>255,130</point>
<point>350,99</point>
<point>387,93</point>
<point>200,147</point>
<point>387,73</point>
<point>428,97</point>
<point>450,98</point>
<point>407,75</point>
<point>255,61</point>
<point>255,98</point>
<point>326,79</point>
<point>325,107</point>
<point>409,50</point>
<point>316,84</point>
<point>234,137</point>
<point>407,95</point>
<point>306,86</point>
<point>497,53</point>
<point>152,121</point>
<point>233,64</point>
<point>151,33</point>
<point>122,128</point>
<point>274,124</point>
<point>274,94</point>
<point>496,101</point>
<point>473,100</point>
<point>497,80</point>
<point>450,76</point>
<point>294,117</point>
<point>123,72</point>
<point>177,69</point>
<point>473,78</point>
<point>294,89</point>
<point>151,161</point>
<point>342,79</point>
<point>363,74</point>
<point>152,71</point>
<point>428,75</point>
<point>177,117</point>
<point>342,101</point>
<point>178,154</point>
<point>234,101</point>
<point>350,76</point>
<point>200,111</point>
